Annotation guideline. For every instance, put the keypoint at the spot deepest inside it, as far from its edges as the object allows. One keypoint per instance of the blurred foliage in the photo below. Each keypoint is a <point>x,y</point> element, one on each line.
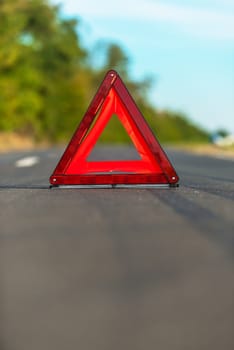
<point>222,132</point>
<point>47,80</point>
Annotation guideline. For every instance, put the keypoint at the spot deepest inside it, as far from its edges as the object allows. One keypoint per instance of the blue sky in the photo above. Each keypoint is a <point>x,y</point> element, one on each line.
<point>187,45</point>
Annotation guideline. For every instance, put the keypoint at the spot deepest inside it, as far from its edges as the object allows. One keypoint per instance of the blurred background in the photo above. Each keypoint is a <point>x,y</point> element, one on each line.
<point>117,269</point>
<point>175,56</point>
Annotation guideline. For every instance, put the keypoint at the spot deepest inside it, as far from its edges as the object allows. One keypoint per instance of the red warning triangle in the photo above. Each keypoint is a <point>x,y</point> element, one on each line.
<point>153,167</point>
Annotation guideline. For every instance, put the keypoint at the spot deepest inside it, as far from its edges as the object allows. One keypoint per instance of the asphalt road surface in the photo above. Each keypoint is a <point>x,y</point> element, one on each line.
<point>118,269</point>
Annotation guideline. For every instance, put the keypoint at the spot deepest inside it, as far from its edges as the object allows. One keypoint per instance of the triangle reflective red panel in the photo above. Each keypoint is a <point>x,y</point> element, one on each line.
<point>153,167</point>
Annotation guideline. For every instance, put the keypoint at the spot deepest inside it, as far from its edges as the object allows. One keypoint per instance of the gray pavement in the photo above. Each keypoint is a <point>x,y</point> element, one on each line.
<point>116,269</point>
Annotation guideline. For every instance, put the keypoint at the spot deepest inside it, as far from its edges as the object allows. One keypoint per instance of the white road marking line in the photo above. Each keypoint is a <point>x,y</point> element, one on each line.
<point>27,162</point>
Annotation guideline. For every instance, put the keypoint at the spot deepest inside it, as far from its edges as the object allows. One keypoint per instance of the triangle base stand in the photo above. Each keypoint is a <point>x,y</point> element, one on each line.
<point>113,186</point>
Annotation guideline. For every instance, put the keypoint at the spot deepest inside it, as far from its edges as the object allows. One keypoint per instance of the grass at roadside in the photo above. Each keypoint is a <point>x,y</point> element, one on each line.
<point>10,141</point>
<point>207,149</point>
<point>15,142</point>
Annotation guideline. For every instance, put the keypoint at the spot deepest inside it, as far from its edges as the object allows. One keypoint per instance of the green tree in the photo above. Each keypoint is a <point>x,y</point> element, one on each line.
<point>41,58</point>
